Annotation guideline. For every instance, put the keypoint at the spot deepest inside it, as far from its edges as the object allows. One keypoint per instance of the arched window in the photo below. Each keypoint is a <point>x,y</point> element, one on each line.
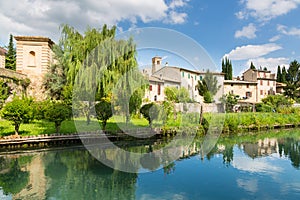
<point>32,59</point>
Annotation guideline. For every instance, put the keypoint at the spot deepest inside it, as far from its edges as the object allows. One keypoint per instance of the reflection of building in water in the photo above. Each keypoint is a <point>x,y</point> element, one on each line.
<point>37,185</point>
<point>263,147</point>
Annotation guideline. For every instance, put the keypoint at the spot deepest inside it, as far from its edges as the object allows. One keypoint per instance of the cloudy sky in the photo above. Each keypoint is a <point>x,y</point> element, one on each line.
<point>266,32</point>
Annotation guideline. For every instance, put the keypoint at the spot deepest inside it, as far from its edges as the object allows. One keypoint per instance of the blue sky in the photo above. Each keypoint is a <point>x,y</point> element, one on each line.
<point>266,32</point>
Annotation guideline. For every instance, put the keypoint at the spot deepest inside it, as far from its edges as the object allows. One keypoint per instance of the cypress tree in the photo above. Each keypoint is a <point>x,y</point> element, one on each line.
<point>252,66</point>
<point>10,59</point>
<point>279,75</point>
<point>227,68</point>
<point>284,75</point>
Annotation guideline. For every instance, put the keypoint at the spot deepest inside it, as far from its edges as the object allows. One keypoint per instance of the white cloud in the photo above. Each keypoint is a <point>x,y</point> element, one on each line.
<point>265,10</point>
<point>255,166</point>
<point>43,17</point>
<point>252,51</point>
<point>248,185</point>
<point>291,31</point>
<point>270,63</point>
<point>247,31</point>
<point>176,18</point>
<point>178,3</point>
<point>275,38</point>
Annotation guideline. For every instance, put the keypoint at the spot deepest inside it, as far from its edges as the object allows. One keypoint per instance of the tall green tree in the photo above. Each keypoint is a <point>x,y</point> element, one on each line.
<point>293,80</point>
<point>227,68</point>
<point>208,87</point>
<point>283,74</point>
<point>279,75</point>
<point>252,66</point>
<point>10,58</point>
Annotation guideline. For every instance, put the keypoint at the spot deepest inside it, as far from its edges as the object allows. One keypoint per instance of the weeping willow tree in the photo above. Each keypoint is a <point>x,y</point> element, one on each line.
<point>97,62</point>
<point>111,70</point>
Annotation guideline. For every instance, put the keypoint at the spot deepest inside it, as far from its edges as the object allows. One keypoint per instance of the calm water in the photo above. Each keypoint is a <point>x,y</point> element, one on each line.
<point>248,167</point>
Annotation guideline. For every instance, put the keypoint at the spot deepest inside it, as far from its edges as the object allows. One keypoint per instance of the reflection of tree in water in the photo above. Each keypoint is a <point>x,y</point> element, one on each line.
<point>12,178</point>
<point>77,175</point>
<point>290,147</point>
<point>228,154</point>
<point>169,168</point>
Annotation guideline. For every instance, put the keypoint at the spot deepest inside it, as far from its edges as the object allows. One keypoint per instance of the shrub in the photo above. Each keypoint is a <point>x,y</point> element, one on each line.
<point>18,111</point>
<point>57,112</point>
<point>104,111</point>
<point>150,112</point>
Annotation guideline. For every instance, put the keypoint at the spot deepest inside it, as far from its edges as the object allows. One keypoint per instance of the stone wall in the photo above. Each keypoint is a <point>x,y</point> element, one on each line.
<point>7,73</point>
<point>195,107</point>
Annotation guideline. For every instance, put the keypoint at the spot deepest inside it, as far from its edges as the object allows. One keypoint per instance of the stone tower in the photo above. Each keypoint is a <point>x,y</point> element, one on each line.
<point>156,64</point>
<point>34,56</point>
<point>2,57</point>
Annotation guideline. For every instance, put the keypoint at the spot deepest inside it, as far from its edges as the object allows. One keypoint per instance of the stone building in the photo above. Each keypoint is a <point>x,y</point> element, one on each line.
<point>266,82</point>
<point>34,56</point>
<point>2,57</point>
<point>161,76</point>
<point>253,86</point>
<point>245,90</point>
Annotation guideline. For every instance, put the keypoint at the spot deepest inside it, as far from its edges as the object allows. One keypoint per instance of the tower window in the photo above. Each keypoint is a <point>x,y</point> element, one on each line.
<point>32,59</point>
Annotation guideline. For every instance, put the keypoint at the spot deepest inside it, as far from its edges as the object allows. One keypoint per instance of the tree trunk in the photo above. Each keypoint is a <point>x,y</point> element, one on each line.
<point>201,115</point>
<point>57,127</point>
<point>103,125</point>
<point>17,126</point>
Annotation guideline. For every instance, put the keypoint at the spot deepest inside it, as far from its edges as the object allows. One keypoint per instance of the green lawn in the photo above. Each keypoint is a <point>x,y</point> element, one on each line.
<point>67,127</point>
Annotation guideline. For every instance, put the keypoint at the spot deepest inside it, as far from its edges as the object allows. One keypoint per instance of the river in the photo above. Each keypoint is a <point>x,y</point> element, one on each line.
<point>256,166</point>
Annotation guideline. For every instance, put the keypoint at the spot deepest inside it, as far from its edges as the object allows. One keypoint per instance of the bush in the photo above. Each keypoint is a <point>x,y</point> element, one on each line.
<point>150,112</point>
<point>18,111</point>
<point>57,112</point>
<point>104,111</point>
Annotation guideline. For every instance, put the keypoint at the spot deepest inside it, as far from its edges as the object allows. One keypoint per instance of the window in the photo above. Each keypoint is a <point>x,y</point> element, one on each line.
<point>195,77</point>
<point>231,85</point>
<point>248,94</point>
<point>189,75</point>
<point>158,89</point>
<point>261,82</point>
<point>182,74</point>
<point>150,87</point>
<point>261,92</point>
<point>274,83</point>
<point>268,83</point>
<point>247,85</point>
<point>31,61</point>
<point>155,98</point>
<point>200,78</point>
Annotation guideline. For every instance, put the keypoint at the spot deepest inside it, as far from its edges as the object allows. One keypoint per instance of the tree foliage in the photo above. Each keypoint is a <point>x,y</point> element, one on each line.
<point>10,58</point>
<point>227,68</point>
<point>176,95</point>
<point>208,87</point>
<point>104,111</point>
<point>279,75</point>
<point>4,92</point>
<point>252,66</point>
<point>18,111</point>
<point>150,112</point>
<point>229,100</point>
<point>57,112</point>
<point>293,80</point>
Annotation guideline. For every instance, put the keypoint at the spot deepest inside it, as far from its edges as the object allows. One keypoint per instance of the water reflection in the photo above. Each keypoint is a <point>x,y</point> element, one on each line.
<point>74,174</point>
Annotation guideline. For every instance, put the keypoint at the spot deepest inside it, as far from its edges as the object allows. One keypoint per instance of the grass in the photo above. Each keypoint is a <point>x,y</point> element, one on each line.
<point>69,126</point>
<point>233,123</point>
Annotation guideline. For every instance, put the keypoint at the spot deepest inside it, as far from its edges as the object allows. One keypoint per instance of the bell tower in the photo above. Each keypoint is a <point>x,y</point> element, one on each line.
<point>34,56</point>
<point>156,64</point>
